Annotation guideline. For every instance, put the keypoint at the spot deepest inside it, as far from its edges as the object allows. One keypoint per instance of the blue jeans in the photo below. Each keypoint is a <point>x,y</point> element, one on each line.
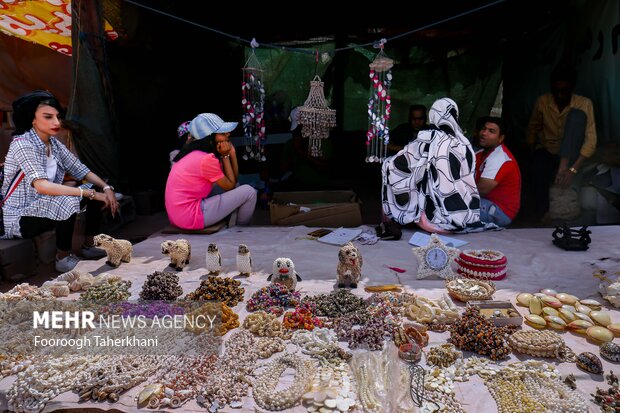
<point>489,212</point>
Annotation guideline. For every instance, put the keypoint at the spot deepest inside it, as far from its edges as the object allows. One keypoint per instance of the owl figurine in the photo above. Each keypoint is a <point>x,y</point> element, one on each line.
<point>284,273</point>
<point>214,260</point>
<point>244,260</point>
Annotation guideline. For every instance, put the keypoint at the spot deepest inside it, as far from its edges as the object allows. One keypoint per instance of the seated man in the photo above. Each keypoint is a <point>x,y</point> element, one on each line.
<point>497,176</point>
<point>407,132</point>
<point>562,134</point>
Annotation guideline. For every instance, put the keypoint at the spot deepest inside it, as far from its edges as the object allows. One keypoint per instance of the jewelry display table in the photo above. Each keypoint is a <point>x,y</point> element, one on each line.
<point>533,263</point>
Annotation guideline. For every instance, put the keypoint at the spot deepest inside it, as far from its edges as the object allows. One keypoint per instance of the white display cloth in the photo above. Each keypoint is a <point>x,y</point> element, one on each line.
<point>533,263</point>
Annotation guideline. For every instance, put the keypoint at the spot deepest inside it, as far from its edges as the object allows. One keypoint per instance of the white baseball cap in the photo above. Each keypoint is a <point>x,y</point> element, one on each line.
<point>206,124</point>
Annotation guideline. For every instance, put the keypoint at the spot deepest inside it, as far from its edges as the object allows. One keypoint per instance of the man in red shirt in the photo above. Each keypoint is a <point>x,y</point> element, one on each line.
<point>497,176</point>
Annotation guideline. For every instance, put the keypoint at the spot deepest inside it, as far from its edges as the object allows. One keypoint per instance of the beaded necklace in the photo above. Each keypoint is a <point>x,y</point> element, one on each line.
<point>112,375</point>
<point>264,386</point>
<point>229,382</point>
<point>46,380</point>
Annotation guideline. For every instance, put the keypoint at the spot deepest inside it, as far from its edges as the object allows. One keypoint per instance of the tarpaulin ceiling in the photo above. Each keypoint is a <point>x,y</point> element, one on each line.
<point>45,22</point>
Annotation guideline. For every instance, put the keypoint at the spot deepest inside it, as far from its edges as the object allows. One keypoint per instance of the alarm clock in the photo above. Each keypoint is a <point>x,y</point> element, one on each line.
<point>435,258</point>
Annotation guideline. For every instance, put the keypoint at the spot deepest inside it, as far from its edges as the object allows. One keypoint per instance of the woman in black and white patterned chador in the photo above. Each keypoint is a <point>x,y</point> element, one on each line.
<point>431,181</point>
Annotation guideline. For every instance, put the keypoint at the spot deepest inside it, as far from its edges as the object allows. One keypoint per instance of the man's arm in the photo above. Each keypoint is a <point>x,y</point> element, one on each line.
<point>485,185</point>
<point>535,125</point>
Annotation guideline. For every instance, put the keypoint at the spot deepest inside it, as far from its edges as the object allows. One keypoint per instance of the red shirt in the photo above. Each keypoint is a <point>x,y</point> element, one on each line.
<point>500,165</point>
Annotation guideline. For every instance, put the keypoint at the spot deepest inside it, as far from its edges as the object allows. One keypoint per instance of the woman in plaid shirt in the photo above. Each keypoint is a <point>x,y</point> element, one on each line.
<point>40,202</point>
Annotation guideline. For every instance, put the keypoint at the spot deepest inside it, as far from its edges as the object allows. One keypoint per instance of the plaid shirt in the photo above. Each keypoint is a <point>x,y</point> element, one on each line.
<point>28,153</point>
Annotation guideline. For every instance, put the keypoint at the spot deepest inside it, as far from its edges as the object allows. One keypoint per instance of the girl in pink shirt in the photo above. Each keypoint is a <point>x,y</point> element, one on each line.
<point>196,168</point>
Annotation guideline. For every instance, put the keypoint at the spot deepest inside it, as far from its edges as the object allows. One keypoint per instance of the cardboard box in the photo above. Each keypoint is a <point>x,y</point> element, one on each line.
<point>326,209</point>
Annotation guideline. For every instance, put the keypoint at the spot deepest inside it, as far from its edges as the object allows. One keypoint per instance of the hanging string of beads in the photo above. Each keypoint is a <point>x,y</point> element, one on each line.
<point>252,102</point>
<point>379,106</point>
<point>316,117</point>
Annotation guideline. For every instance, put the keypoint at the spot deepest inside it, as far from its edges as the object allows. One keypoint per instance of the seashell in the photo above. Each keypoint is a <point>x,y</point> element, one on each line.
<point>579,326</point>
<point>567,316</point>
<point>551,301</point>
<point>584,317</point>
<point>524,299</point>
<point>540,295</point>
<point>535,306</point>
<point>610,351</point>
<point>176,402</point>
<point>583,309</point>
<point>600,317</point>
<point>319,396</point>
<point>614,328</point>
<point>330,403</point>
<point>566,298</point>
<point>113,397</point>
<point>308,396</point>
<point>535,321</point>
<point>590,363</point>
<point>599,334</point>
<point>85,394</point>
<point>165,401</point>
<point>150,390</point>
<point>101,396</point>
<point>549,291</point>
<point>342,405</point>
<point>555,322</point>
<point>550,311</point>
<point>593,304</point>
<point>570,308</point>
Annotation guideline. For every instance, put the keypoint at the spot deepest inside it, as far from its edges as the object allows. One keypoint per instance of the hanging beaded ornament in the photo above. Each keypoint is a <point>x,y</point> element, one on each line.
<point>316,117</point>
<point>252,101</point>
<point>379,107</point>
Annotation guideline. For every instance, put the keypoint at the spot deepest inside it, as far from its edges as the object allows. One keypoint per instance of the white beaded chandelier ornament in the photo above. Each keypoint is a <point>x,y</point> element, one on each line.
<point>379,107</point>
<point>252,101</point>
<point>316,117</point>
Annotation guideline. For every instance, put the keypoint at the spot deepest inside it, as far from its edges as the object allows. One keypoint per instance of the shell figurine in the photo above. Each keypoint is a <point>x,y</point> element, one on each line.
<point>610,351</point>
<point>590,363</point>
<point>284,273</point>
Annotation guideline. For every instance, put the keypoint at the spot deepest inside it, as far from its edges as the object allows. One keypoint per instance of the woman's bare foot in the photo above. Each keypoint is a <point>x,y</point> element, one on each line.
<point>428,226</point>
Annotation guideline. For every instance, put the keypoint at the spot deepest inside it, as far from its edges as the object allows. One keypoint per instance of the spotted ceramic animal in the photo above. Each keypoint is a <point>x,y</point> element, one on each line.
<point>350,266</point>
<point>284,273</point>
<point>118,250</point>
<point>180,252</point>
<point>214,260</point>
<point>244,260</point>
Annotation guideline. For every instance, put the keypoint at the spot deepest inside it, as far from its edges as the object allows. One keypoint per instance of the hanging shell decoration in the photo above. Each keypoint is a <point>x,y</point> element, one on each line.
<point>316,117</point>
<point>610,351</point>
<point>590,363</point>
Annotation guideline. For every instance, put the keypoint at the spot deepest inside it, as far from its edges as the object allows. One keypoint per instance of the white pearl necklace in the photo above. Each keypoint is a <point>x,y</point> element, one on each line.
<point>264,386</point>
